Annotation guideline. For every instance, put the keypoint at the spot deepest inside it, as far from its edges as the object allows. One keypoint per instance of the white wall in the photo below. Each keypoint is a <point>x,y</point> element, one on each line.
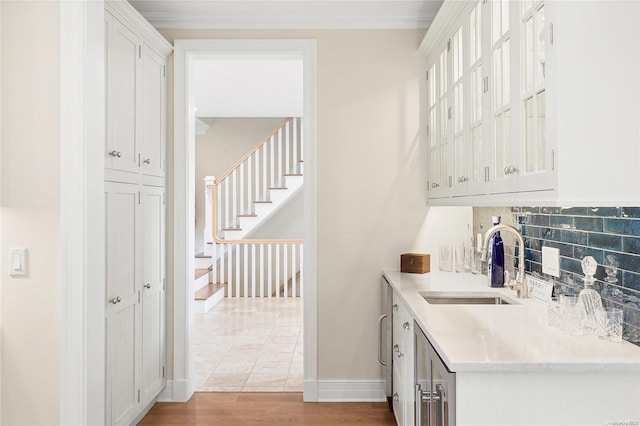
<point>226,141</point>
<point>286,223</point>
<point>371,160</point>
<point>30,192</point>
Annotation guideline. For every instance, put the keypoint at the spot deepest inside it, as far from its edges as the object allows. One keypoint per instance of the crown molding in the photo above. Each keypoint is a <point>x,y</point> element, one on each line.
<point>290,14</point>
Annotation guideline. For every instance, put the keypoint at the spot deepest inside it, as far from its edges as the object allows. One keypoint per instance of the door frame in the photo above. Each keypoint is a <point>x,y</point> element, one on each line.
<point>185,53</point>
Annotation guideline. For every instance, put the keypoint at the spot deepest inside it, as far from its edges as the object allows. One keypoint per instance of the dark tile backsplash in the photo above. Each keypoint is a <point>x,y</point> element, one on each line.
<point>610,234</point>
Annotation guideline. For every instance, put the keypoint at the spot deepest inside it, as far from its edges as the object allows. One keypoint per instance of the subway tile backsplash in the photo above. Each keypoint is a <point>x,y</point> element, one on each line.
<point>610,234</point>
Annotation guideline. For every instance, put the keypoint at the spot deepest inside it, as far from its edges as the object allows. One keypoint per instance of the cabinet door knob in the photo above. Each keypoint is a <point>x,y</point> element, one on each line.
<point>435,185</point>
<point>147,285</point>
<point>395,396</point>
<point>115,154</point>
<point>395,308</point>
<point>406,325</point>
<point>147,161</point>
<point>115,300</point>
<point>396,348</point>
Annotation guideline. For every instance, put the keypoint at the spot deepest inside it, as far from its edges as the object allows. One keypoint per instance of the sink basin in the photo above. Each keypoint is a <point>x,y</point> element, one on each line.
<point>451,298</point>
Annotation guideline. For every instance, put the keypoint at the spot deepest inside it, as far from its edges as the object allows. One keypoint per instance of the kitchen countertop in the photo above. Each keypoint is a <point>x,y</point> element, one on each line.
<point>504,338</point>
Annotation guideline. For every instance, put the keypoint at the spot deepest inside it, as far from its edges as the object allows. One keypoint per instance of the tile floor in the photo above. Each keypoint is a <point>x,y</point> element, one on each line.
<point>250,345</point>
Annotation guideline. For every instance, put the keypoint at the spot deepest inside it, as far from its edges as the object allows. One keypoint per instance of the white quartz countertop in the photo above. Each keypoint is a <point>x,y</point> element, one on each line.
<point>505,338</point>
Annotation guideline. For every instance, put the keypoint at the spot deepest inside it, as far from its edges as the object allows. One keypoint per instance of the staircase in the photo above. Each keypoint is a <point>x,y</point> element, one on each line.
<point>237,204</point>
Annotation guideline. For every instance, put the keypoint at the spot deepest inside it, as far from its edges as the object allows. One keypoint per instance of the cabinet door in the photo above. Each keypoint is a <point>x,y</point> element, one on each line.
<point>152,107</point>
<point>153,292</point>
<point>121,63</point>
<point>439,121</point>
<point>123,307</point>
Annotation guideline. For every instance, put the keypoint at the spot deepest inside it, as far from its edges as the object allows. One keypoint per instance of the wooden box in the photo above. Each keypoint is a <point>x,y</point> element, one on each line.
<point>415,263</point>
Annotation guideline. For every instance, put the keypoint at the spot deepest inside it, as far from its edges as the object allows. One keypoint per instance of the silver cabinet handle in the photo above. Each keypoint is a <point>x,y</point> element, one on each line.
<point>462,179</point>
<point>396,348</point>
<point>510,170</point>
<point>395,308</point>
<point>147,161</point>
<point>147,285</point>
<point>396,397</point>
<point>115,154</point>
<point>380,360</point>
<point>435,185</point>
<point>115,300</point>
<point>406,325</point>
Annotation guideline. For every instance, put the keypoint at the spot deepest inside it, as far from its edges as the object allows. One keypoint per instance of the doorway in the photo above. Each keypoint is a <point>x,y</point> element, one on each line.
<point>186,53</point>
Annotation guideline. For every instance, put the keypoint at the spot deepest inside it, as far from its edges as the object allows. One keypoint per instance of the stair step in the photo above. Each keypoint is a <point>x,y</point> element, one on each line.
<point>209,290</point>
<point>279,188</point>
<point>292,174</point>
<point>201,272</point>
<point>247,215</point>
<point>202,256</point>
<point>263,202</point>
<point>232,229</point>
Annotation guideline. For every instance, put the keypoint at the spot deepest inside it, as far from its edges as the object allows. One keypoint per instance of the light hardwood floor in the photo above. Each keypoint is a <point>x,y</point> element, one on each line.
<point>266,409</point>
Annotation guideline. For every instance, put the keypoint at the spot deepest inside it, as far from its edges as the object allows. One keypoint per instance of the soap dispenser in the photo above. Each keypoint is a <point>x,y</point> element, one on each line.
<point>496,258</point>
<point>589,301</point>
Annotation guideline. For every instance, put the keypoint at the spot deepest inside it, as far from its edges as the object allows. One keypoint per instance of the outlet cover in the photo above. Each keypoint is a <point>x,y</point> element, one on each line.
<point>551,261</point>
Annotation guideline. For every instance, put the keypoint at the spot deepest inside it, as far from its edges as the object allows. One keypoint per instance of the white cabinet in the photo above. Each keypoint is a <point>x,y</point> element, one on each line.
<point>402,353</point>
<point>136,57</point>
<point>136,97</point>
<point>527,103</point>
<point>135,293</point>
<point>123,308</point>
<point>153,292</point>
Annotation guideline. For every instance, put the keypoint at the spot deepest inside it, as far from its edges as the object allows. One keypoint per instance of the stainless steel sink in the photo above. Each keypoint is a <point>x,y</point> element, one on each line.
<point>441,298</point>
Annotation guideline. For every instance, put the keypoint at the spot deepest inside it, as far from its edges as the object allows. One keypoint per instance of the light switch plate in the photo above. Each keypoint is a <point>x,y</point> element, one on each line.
<point>551,261</point>
<point>17,262</point>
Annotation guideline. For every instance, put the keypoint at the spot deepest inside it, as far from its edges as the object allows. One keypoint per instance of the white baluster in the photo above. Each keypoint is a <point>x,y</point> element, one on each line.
<point>209,181</point>
<point>284,269</point>
<point>301,129</point>
<point>253,270</point>
<point>277,248</point>
<point>269,271</point>
<point>287,164</point>
<point>301,270</point>
<point>245,264</point>
<point>261,270</point>
<point>229,254</point>
<point>279,160</point>
<point>294,258</point>
<point>271,162</point>
<point>237,276</point>
<point>227,203</point>
<point>242,185</point>
<point>234,193</point>
<point>263,184</point>
<point>249,185</point>
<point>223,249</point>
<point>295,146</point>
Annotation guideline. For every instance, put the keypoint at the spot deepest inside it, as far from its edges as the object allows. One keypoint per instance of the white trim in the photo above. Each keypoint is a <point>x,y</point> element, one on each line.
<point>351,391</point>
<point>185,52</point>
<point>166,395</point>
<point>82,338</point>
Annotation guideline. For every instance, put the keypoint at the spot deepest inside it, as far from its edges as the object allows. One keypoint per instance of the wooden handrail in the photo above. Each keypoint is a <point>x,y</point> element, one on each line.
<point>254,149</point>
<point>214,227</point>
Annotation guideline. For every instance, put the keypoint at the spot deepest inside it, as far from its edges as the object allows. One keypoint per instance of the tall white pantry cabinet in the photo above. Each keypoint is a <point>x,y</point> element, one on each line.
<point>135,165</point>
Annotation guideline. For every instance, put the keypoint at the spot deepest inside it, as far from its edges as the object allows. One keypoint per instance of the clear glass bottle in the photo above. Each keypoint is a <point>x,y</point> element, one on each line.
<point>589,301</point>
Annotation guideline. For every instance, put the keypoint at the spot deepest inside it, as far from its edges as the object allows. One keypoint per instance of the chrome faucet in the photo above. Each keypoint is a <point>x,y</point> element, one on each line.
<point>519,284</point>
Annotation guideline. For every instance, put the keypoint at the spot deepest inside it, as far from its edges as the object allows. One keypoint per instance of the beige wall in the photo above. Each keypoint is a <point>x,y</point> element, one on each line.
<point>30,344</point>
<point>371,181</point>
<point>225,142</point>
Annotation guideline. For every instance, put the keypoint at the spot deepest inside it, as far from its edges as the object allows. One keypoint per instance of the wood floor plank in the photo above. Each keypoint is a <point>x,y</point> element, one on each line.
<point>266,409</point>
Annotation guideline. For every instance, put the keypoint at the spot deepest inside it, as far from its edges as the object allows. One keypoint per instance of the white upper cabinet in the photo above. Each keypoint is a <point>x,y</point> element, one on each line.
<point>533,101</point>
<point>136,58</point>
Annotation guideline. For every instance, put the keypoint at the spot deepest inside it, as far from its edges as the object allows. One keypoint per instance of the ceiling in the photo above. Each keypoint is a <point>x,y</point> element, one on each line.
<point>289,14</point>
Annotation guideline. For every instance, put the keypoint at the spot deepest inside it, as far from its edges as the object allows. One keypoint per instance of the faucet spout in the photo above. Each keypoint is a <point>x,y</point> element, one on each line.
<point>519,283</point>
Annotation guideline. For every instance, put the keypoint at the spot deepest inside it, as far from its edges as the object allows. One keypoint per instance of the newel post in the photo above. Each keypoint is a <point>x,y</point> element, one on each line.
<point>209,246</point>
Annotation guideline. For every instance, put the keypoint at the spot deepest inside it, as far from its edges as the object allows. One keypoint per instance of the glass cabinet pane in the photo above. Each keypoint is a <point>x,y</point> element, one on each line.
<point>477,169</point>
<point>541,131</point>
<point>539,59</point>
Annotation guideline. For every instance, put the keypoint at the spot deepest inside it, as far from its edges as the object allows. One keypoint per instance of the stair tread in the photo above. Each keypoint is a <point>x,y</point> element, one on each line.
<point>232,229</point>
<point>263,202</point>
<point>279,187</point>
<point>293,174</point>
<point>202,256</point>
<point>199,272</point>
<point>209,290</point>
<point>247,215</point>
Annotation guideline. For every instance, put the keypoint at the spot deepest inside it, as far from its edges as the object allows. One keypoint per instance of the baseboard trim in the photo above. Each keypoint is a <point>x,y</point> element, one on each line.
<point>351,391</point>
<point>166,395</point>
<point>175,391</point>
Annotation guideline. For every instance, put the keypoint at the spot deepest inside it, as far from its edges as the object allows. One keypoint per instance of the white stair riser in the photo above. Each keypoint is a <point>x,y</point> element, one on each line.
<point>203,306</point>
<point>201,282</point>
<point>248,222</point>
<point>202,262</point>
